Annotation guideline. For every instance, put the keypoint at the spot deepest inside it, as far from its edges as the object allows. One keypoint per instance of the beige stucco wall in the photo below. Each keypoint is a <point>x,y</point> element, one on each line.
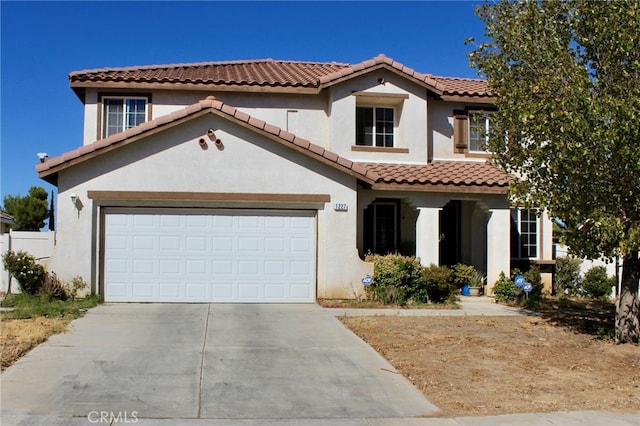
<point>312,111</point>
<point>173,161</point>
<point>410,117</point>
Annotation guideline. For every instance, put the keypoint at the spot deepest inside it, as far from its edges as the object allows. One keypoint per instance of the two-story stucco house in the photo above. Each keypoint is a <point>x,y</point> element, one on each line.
<point>268,181</point>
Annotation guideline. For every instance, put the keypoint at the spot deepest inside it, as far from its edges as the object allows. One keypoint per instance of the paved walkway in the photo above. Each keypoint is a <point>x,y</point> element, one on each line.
<point>469,306</point>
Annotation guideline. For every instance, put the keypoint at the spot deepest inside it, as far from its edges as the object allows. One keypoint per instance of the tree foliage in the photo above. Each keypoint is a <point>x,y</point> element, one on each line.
<point>29,211</point>
<point>567,79</point>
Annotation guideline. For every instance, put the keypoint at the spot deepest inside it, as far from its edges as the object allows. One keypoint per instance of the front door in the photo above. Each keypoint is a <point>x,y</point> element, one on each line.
<point>450,233</point>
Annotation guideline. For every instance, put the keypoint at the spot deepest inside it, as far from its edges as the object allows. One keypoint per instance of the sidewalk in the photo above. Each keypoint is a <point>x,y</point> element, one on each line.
<point>574,418</point>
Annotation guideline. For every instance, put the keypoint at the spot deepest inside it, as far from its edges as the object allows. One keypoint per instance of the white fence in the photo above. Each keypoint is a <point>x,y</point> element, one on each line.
<point>38,244</point>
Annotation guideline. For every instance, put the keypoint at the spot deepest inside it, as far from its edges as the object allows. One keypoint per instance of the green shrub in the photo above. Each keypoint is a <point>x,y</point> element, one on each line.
<point>439,284</point>
<point>397,279</point>
<point>505,290</point>
<point>596,284</point>
<point>566,279</point>
<point>77,284</point>
<point>23,267</point>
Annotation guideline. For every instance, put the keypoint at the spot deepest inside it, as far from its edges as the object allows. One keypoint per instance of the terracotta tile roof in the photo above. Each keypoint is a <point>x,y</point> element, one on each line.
<point>464,86</point>
<point>441,173</point>
<point>270,73</point>
<point>260,72</point>
<point>50,168</point>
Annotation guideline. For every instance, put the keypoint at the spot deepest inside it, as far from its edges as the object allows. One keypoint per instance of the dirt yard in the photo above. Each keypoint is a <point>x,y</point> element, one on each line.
<point>558,360</point>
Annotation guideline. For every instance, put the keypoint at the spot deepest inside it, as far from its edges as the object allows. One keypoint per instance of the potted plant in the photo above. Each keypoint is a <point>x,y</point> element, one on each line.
<point>461,277</point>
<point>476,283</point>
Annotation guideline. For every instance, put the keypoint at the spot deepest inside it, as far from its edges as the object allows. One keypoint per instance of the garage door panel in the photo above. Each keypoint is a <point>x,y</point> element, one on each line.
<point>249,244</point>
<point>274,268</point>
<point>169,290</point>
<point>195,243</point>
<point>170,243</point>
<point>170,267</point>
<point>197,291</point>
<point>249,291</point>
<point>248,222</point>
<point>142,290</point>
<point>248,268</point>
<point>228,256</point>
<point>143,221</point>
<point>223,291</point>
<point>300,291</point>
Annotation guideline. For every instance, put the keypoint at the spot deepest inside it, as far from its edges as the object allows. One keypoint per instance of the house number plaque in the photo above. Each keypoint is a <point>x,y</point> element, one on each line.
<point>341,207</point>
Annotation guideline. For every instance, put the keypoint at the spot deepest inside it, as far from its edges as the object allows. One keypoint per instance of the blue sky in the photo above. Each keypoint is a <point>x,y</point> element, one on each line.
<point>42,42</point>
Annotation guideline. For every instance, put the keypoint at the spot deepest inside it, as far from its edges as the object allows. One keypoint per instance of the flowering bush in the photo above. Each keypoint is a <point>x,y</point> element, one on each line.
<point>23,267</point>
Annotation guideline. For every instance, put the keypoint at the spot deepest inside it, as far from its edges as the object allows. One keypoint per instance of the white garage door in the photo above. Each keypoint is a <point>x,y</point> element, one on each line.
<point>224,256</point>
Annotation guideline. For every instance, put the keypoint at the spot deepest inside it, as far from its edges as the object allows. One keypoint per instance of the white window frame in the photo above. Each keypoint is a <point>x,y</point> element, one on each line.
<point>482,140</point>
<point>104,118</point>
<point>374,131</point>
<point>516,214</point>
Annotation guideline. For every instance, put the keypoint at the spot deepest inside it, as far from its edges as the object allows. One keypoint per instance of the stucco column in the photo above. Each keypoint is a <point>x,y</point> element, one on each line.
<point>498,245</point>
<point>428,235</point>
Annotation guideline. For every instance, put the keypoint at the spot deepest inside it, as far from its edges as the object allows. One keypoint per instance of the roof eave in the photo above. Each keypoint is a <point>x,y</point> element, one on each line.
<point>79,86</point>
<point>344,76</point>
<point>439,188</point>
<point>470,99</point>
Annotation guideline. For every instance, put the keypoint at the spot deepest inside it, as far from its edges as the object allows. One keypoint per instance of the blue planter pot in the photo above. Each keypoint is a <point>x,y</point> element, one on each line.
<point>465,290</point>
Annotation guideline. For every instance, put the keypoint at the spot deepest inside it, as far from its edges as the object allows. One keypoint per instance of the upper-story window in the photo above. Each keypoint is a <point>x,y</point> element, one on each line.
<point>122,113</point>
<point>524,233</point>
<point>471,131</point>
<point>375,126</point>
<point>479,122</point>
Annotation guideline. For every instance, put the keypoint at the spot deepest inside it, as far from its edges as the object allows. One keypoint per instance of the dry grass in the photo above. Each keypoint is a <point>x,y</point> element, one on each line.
<point>19,336</point>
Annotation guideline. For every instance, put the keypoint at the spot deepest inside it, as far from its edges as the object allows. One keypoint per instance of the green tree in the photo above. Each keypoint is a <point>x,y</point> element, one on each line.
<point>29,211</point>
<point>566,75</point>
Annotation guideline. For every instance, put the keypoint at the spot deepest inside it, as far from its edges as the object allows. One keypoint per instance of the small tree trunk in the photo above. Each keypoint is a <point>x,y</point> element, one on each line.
<point>628,305</point>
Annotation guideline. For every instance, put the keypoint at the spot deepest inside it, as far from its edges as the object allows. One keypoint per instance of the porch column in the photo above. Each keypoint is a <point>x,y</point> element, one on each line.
<point>428,235</point>
<point>498,245</point>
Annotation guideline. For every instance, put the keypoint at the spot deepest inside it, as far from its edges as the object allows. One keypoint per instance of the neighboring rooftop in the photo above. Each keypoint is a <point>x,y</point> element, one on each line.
<point>266,74</point>
<point>6,218</point>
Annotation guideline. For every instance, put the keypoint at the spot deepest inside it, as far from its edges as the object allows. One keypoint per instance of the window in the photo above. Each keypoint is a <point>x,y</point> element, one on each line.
<point>374,126</point>
<point>120,114</point>
<point>524,233</point>
<point>381,227</point>
<point>478,130</point>
<point>471,131</point>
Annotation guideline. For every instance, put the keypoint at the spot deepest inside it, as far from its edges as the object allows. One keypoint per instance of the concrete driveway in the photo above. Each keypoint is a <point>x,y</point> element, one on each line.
<point>199,361</point>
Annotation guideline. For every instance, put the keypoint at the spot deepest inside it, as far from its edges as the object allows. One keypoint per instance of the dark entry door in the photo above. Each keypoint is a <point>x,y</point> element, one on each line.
<point>450,233</point>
